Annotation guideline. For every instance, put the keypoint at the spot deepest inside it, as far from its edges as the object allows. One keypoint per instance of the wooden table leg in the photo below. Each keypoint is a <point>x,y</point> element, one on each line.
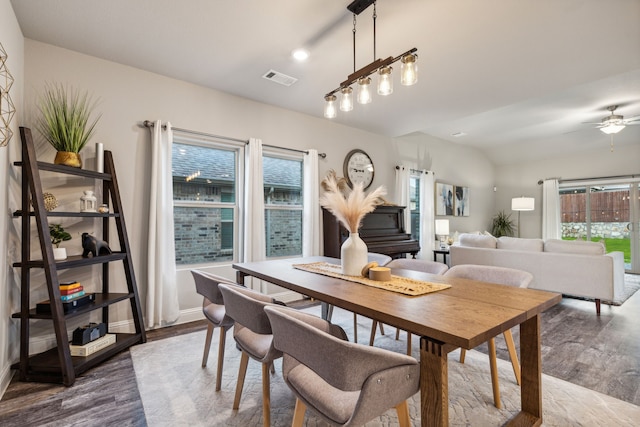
<point>434,382</point>
<point>531,371</point>
<point>240,277</point>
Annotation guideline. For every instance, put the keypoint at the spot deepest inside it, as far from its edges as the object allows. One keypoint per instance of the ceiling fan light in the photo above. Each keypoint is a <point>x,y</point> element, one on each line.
<point>409,70</point>
<point>385,81</point>
<point>330,107</point>
<point>346,101</point>
<point>612,128</point>
<point>364,92</point>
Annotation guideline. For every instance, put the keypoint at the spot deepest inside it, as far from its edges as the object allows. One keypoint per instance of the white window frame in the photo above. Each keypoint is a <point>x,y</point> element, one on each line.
<point>269,152</point>
<point>239,148</point>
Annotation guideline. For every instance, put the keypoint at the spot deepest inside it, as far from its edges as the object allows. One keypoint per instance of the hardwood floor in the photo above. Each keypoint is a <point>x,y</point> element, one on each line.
<point>600,353</point>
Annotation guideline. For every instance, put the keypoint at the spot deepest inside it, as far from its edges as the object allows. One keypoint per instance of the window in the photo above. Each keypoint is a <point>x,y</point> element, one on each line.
<point>283,205</point>
<point>414,205</point>
<point>205,196</point>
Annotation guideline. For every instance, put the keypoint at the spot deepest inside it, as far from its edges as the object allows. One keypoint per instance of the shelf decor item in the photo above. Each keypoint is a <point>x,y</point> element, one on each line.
<point>349,206</point>
<point>88,202</point>
<point>58,235</point>
<point>65,122</point>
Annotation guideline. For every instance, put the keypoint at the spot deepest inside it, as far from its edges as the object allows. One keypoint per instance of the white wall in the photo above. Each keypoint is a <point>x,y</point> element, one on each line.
<point>13,43</point>
<point>453,164</point>
<point>522,179</point>
<point>128,96</point>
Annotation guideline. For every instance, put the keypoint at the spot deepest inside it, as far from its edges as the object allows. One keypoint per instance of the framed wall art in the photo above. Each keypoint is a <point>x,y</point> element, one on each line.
<point>461,202</point>
<point>444,199</point>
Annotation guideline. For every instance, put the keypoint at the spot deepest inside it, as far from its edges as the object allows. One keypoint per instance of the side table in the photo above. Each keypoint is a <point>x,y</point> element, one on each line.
<point>443,252</point>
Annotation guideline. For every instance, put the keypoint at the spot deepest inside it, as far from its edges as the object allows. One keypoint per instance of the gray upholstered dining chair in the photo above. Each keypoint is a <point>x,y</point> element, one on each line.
<point>502,276</point>
<point>422,265</point>
<point>346,384</point>
<point>214,311</point>
<point>252,333</point>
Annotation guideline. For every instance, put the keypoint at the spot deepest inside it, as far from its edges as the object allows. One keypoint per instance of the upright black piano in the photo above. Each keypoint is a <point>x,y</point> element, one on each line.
<point>382,230</point>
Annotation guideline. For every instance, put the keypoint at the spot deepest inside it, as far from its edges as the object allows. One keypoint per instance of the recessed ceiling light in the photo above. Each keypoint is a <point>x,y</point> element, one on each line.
<point>300,55</point>
<point>458,134</point>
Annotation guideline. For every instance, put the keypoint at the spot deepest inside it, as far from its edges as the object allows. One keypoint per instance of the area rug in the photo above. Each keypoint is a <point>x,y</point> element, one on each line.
<point>631,286</point>
<point>176,391</point>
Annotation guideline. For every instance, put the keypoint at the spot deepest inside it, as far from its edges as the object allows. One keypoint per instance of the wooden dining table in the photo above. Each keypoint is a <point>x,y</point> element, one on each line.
<point>465,315</point>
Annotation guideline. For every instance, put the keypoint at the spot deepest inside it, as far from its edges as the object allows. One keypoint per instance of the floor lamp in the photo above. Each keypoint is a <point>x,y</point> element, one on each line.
<point>522,204</point>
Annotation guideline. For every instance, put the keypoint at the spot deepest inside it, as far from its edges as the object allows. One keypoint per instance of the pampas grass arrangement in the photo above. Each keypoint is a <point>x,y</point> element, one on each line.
<point>347,205</point>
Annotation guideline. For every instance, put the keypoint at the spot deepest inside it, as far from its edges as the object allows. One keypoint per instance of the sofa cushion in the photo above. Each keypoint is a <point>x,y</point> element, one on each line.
<point>478,241</point>
<point>517,244</point>
<point>574,247</point>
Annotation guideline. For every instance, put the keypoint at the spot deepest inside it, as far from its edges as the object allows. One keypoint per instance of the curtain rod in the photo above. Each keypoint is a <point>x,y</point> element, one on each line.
<point>414,170</point>
<point>150,124</point>
<point>591,179</point>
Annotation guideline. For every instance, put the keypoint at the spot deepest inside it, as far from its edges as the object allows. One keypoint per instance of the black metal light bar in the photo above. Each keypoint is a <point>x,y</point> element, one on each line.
<point>357,6</point>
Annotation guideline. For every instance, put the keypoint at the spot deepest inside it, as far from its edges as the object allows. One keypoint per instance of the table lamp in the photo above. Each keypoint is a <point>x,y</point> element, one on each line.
<point>442,231</point>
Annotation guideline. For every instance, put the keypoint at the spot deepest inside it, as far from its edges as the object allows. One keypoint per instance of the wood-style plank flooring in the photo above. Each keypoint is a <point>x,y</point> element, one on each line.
<point>600,353</point>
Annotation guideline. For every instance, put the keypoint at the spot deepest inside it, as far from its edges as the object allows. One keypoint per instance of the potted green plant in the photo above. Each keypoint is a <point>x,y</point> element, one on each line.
<point>65,123</point>
<point>502,225</point>
<point>58,235</point>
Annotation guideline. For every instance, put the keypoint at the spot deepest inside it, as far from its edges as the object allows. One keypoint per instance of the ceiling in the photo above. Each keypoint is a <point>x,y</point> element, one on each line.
<point>517,77</point>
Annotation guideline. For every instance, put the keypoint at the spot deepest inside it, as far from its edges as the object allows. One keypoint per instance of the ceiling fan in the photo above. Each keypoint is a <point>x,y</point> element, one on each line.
<point>614,123</point>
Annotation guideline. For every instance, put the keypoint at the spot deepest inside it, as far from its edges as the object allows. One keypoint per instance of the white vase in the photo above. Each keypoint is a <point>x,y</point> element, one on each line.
<point>353,254</point>
<point>59,253</point>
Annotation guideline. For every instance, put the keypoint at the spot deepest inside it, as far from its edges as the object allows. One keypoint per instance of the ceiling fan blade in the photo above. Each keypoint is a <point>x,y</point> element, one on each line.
<point>632,119</point>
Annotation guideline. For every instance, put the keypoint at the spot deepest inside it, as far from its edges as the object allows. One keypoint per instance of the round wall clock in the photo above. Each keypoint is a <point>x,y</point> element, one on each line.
<point>358,167</point>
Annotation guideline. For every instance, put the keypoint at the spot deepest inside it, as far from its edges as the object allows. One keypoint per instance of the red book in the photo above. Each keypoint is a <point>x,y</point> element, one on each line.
<point>70,291</point>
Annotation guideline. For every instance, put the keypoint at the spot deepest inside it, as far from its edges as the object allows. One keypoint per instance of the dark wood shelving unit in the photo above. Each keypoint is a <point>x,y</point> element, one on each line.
<point>57,364</point>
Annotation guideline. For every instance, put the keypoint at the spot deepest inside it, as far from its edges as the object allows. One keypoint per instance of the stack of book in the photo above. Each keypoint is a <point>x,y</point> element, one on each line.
<point>72,296</point>
<point>93,346</point>
<point>69,291</point>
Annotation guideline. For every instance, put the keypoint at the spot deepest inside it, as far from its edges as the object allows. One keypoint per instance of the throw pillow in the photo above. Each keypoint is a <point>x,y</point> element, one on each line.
<point>574,247</point>
<point>518,244</point>
<point>478,241</point>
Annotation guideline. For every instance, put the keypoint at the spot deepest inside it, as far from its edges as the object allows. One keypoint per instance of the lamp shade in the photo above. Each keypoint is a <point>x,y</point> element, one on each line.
<point>612,128</point>
<point>522,203</point>
<point>442,227</point>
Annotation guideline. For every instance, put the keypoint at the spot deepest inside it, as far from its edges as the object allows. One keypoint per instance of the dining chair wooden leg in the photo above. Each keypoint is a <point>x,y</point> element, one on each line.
<point>381,328</point>
<point>403,414</point>
<point>266,399</point>
<point>494,372</point>
<point>298,414</point>
<point>397,334</point>
<point>221,344</point>
<point>207,345</point>
<point>244,361</point>
<point>463,353</point>
<point>513,355</point>
<point>355,328</point>
<point>408,343</point>
<point>372,337</point>
<point>272,367</point>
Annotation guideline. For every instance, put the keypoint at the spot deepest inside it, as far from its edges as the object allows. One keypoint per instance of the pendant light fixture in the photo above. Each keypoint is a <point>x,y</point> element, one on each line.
<point>330,106</point>
<point>381,67</point>
<point>346,102</point>
<point>385,81</point>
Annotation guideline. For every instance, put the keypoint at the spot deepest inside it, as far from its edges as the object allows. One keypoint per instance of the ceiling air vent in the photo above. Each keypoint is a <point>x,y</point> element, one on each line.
<point>279,78</point>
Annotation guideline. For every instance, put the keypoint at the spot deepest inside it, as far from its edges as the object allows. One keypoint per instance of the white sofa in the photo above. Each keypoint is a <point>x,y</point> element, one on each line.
<point>575,268</point>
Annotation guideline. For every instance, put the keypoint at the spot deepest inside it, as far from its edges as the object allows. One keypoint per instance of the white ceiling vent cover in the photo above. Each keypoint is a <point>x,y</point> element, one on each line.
<point>279,78</point>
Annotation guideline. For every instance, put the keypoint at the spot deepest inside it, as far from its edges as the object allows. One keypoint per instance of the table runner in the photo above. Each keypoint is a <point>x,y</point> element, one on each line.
<point>403,285</point>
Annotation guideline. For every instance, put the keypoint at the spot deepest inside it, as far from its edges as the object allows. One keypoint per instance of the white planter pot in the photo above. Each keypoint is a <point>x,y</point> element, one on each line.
<point>353,254</point>
<point>59,253</point>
